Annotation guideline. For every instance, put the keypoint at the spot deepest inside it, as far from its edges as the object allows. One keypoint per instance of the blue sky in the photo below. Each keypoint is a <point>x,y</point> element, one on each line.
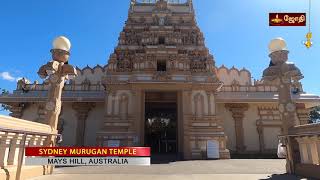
<point>236,32</point>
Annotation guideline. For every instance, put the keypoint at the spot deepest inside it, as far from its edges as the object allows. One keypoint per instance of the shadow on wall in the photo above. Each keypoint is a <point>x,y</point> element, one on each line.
<point>285,177</point>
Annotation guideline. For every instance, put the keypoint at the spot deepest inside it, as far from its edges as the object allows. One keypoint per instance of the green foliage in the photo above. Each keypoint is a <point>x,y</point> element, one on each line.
<point>4,107</point>
<point>315,114</point>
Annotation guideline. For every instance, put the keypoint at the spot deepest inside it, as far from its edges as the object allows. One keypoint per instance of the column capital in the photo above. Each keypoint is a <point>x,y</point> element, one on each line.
<point>237,106</point>
<point>83,107</point>
<point>237,109</point>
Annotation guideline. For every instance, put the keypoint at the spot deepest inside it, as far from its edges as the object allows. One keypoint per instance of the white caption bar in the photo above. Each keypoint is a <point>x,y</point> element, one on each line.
<point>88,161</point>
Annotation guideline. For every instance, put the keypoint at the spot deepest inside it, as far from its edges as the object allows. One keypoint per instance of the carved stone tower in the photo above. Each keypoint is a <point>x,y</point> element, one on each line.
<point>162,76</point>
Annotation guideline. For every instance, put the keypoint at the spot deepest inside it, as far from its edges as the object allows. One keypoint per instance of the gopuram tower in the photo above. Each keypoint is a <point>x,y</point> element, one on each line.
<point>161,84</point>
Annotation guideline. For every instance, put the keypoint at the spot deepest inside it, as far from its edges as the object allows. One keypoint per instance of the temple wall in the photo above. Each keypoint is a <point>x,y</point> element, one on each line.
<point>120,103</point>
<point>199,103</point>
<point>70,124</point>
<point>93,124</point>
<point>228,124</point>
<point>271,137</point>
<point>251,137</point>
<point>30,112</point>
<point>95,117</point>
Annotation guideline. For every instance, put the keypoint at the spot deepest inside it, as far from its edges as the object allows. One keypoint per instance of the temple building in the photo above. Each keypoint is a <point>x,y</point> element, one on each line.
<point>161,88</point>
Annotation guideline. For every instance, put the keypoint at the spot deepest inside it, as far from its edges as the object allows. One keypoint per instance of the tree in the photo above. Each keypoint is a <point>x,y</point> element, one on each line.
<point>315,115</point>
<point>4,107</point>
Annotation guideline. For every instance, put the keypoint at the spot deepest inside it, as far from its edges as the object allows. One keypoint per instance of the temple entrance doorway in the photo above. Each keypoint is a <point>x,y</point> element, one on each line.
<point>161,126</point>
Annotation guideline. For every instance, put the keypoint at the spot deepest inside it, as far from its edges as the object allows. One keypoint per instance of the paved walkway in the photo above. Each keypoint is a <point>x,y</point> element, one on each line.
<point>235,169</point>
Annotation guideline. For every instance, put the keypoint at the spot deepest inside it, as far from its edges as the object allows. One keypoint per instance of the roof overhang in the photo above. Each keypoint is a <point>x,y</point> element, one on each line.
<point>310,100</point>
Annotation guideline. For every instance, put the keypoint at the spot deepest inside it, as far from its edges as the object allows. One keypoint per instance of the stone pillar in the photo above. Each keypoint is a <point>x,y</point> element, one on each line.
<point>187,114</point>
<point>138,109</point>
<point>238,115</point>
<point>261,136</point>
<point>209,103</point>
<point>82,110</point>
<point>17,109</point>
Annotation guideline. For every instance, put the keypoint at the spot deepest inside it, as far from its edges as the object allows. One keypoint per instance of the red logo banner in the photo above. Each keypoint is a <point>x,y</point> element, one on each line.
<point>88,151</point>
<point>287,19</point>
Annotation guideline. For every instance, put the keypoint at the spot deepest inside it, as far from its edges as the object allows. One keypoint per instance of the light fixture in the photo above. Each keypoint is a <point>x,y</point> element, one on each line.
<point>308,42</point>
<point>277,44</point>
<point>62,43</point>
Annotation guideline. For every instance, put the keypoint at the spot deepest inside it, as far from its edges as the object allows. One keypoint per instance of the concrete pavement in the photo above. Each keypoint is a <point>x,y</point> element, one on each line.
<point>239,169</point>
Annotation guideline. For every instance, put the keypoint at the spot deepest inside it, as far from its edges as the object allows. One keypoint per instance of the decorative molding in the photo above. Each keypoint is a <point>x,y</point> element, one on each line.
<point>303,114</point>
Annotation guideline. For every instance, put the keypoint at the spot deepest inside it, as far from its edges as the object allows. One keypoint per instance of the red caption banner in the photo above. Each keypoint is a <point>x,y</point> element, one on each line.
<point>287,19</point>
<point>88,152</point>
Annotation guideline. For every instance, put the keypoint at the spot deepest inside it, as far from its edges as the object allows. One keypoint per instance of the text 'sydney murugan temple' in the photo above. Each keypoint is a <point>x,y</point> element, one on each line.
<point>161,89</point>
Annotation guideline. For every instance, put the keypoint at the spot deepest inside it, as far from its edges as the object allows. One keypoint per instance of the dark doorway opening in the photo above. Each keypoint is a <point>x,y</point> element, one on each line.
<point>161,126</point>
<point>161,66</point>
<point>162,40</point>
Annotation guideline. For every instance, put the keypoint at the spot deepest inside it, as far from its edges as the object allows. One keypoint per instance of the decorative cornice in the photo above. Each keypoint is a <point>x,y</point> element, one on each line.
<point>92,70</point>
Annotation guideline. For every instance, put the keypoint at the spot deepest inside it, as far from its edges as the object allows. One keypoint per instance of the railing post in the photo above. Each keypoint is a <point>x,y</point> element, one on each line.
<point>4,149</point>
<point>13,148</point>
<point>21,156</point>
